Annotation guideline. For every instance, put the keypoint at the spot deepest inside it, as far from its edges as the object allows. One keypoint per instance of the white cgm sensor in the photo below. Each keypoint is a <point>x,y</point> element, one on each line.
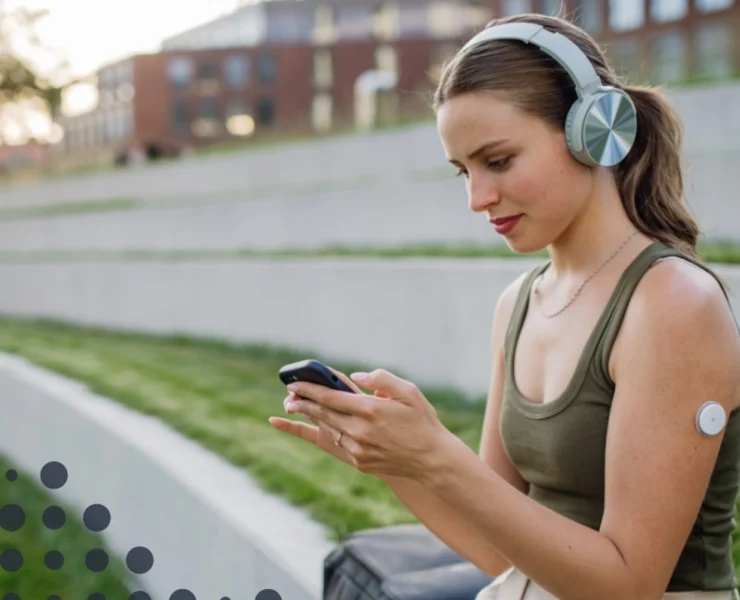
<point>711,418</point>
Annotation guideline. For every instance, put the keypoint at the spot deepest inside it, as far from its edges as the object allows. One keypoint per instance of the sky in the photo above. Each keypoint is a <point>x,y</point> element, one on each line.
<point>91,33</point>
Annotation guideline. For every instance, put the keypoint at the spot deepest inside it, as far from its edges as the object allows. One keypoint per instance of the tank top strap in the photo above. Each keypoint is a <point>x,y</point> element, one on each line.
<point>616,308</point>
<point>520,307</point>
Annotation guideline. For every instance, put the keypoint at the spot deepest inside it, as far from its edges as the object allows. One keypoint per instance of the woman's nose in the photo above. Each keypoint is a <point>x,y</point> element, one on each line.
<point>481,195</point>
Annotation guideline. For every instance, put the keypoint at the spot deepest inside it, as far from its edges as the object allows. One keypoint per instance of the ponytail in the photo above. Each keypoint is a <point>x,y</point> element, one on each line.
<point>650,179</point>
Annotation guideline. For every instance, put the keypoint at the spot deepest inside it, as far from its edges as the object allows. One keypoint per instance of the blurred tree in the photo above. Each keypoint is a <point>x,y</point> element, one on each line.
<point>21,53</point>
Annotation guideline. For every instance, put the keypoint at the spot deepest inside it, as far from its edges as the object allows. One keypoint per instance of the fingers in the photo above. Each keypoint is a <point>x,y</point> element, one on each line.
<point>346,380</point>
<point>341,402</point>
<point>386,384</point>
<point>310,433</point>
<point>318,413</point>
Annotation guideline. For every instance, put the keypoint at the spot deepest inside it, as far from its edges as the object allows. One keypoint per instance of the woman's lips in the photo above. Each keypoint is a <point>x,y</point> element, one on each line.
<point>504,225</point>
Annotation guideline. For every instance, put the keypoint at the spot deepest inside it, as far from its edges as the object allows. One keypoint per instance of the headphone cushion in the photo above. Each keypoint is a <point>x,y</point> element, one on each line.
<point>569,126</point>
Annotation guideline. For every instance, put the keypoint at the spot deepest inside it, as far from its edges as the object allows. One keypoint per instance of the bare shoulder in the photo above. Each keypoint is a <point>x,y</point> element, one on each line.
<point>505,308</point>
<point>676,292</point>
<point>680,310</point>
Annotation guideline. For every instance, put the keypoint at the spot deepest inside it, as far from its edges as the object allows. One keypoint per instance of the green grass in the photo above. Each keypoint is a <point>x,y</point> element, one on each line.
<point>33,540</point>
<point>221,395</point>
<point>712,252</point>
<point>67,208</point>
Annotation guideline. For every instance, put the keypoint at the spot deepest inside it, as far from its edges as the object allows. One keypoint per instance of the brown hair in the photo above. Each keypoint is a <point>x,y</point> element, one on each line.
<point>649,179</point>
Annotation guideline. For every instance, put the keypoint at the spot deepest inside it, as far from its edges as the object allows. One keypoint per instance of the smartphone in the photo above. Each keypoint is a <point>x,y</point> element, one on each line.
<point>312,371</point>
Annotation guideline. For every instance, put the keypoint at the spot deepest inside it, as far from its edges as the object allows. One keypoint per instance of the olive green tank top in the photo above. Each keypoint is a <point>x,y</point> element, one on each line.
<point>559,446</point>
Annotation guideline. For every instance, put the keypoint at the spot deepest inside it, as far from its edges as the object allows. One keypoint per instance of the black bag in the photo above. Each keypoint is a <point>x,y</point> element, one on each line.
<point>399,562</point>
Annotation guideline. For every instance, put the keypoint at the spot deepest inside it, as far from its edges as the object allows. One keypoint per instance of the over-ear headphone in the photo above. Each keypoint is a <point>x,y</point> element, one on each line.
<point>601,125</point>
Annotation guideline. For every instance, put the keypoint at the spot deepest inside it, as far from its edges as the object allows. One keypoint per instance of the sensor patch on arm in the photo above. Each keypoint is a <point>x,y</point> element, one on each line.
<point>710,418</point>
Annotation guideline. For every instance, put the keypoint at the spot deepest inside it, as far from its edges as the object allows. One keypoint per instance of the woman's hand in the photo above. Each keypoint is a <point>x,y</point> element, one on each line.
<point>393,432</point>
<point>320,434</point>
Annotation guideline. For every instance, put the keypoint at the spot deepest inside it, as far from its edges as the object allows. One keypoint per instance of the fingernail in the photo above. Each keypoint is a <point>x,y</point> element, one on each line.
<point>291,407</point>
<point>359,376</point>
<point>292,387</point>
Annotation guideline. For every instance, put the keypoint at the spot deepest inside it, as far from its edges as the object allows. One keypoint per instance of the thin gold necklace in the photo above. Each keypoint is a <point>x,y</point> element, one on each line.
<point>578,291</point>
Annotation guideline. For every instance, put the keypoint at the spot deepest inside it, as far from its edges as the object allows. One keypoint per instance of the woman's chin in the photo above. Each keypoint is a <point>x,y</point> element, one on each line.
<point>522,245</point>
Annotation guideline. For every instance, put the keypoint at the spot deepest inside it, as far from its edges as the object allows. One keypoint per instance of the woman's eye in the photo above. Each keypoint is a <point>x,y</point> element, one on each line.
<point>462,172</point>
<point>501,164</point>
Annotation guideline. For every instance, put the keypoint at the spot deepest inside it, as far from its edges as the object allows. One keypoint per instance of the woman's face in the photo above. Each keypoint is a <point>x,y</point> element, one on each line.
<point>515,166</point>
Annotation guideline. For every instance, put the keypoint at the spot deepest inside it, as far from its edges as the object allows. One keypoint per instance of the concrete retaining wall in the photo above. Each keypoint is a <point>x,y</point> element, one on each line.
<point>385,189</point>
<point>389,212</point>
<point>427,319</point>
<point>710,115</point>
<point>210,529</point>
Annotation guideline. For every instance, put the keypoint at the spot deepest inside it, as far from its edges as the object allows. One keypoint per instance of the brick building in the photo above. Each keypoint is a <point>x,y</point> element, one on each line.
<point>281,66</point>
<point>657,41</point>
<point>292,65</point>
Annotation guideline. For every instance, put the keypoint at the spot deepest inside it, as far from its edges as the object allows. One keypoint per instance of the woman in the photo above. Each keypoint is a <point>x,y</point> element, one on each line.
<point>608,466</point>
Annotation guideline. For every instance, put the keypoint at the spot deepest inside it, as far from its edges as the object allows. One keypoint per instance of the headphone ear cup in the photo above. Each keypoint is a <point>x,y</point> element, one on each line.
<point>609,127</point>
<point>573,131</point>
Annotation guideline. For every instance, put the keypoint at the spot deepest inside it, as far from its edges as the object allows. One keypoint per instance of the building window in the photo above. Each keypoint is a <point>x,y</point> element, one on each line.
<point>266,111</point>
<point>208,70</point>
<point>626,14</point>
<point>446,19</point>
<point>549,7</point>
<point>323,25</point>
<point>714,50</point>
<point>713,5</point>
<point>180,117</point>
<point>354,22</point>
<point>322,68</point>
<point>669,58</point>
<point>385,21</point>
<point>477,16</point>
<point>515,7</point>
<point>668,10</point>
<point>289,26</point>
<point>236,106</point>
<point>413,20</point>
<point>386,59</point>
<point>236,70</point>
<point>208,108</point>
<point>267,68</point>
<point>589,15</point>
<point>180,72</point>
<point>207,124</point>
<point>238,120</point>
<point>323,106</point>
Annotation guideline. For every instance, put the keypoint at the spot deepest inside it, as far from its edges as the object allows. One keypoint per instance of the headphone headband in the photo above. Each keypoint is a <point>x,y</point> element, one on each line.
<point>601,125</point>
<point>559,47</point>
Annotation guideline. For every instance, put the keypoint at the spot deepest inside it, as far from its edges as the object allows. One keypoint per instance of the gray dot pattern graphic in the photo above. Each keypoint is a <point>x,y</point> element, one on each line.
<point>96,518</point>
<point>12,517</point>
<point>54,475</point>
<point>54,517</point>
<point>96,560</point>
<point>11,560</point>
<point>139,560</point>
<point>54,560</point>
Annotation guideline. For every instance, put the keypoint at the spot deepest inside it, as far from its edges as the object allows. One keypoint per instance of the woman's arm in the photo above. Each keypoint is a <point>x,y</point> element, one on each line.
<point>443,518</point>
<point>678,349</point>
